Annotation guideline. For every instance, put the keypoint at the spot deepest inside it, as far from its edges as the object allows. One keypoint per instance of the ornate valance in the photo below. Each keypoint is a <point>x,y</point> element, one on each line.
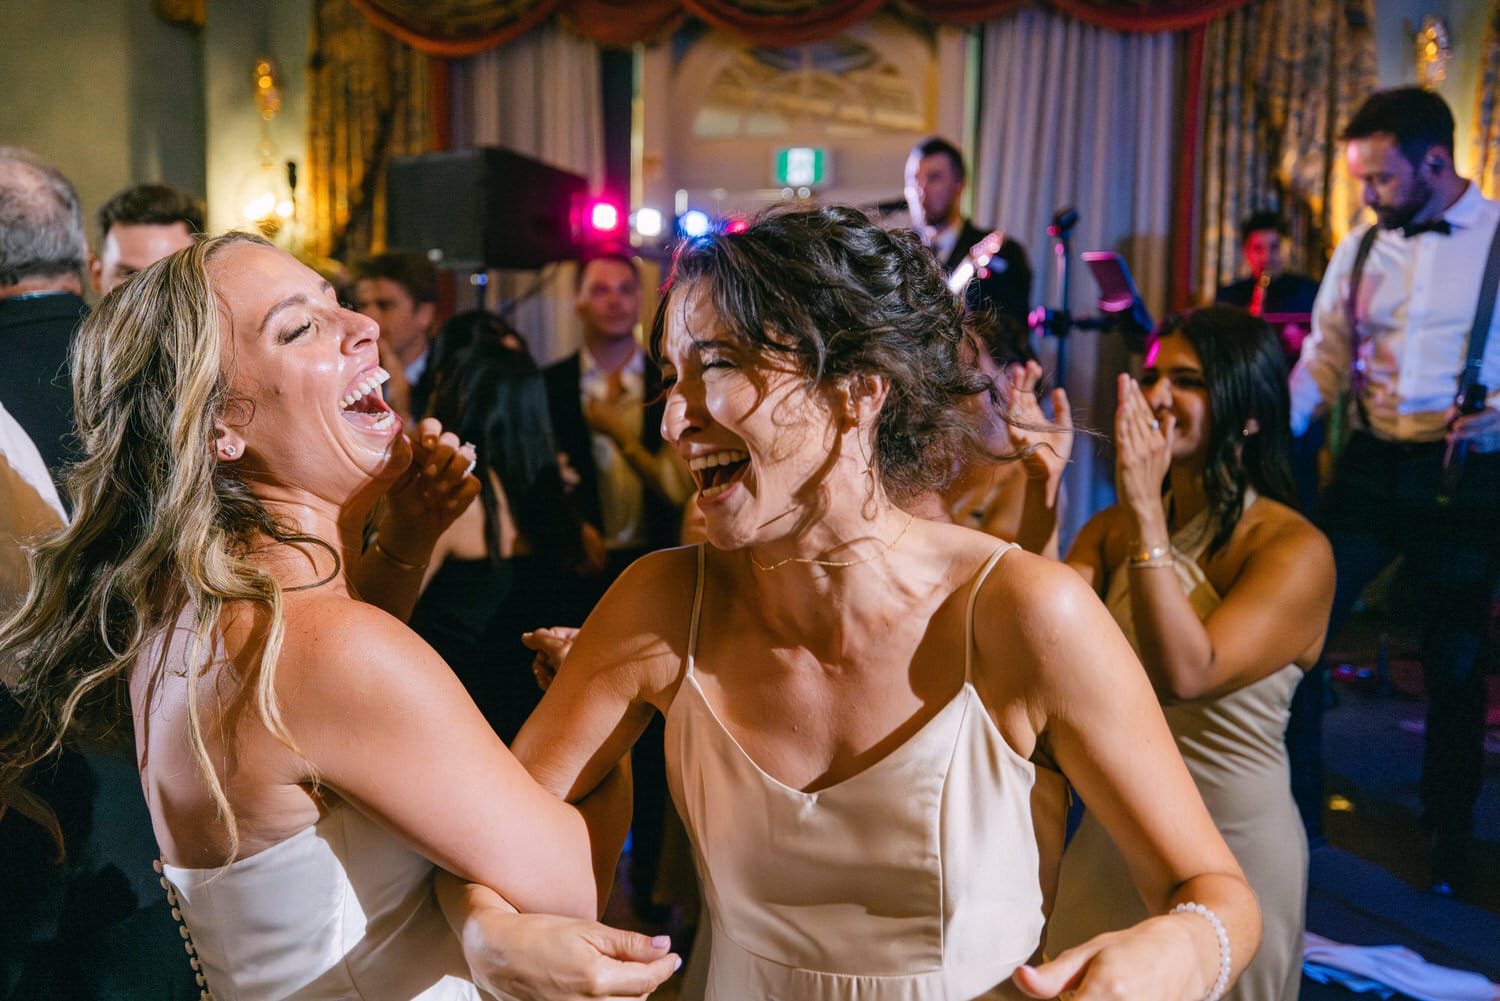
<point>453,28</point>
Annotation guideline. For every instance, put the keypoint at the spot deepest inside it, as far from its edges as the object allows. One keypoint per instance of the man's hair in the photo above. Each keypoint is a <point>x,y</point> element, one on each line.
<point>1418,118</point>
<point>606,252</point>
<point>1257,221</point>
<point>41,220</point>
<point>412,271</point>
<point>938,146</point>
<point>151,204</point>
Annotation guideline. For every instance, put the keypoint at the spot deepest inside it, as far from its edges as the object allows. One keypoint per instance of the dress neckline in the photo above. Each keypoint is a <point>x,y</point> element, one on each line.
<point>957,703</point>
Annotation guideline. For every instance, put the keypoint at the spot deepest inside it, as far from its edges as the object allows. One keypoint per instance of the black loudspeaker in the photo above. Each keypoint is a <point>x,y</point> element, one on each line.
<point>476,208</point>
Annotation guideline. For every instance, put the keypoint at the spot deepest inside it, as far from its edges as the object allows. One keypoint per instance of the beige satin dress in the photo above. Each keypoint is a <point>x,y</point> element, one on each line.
<point>1234,750</point>
<point>913,880</point>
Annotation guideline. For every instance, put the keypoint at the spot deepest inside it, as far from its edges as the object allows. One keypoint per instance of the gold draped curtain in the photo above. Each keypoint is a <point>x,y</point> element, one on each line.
<point>1487,109</point>
<point>368,101</point>
<point>1278,80</point>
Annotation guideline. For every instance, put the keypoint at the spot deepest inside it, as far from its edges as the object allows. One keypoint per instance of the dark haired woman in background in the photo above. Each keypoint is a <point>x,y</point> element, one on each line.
<point>479,592</point>
<point>1223,589</point>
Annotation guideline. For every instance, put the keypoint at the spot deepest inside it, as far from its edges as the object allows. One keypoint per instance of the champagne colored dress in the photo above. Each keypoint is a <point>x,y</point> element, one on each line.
<point>913,880</point>
<point>1233,748</point>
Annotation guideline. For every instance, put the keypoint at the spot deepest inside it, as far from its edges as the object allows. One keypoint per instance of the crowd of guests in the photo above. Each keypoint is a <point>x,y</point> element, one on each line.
<point>302,542</point>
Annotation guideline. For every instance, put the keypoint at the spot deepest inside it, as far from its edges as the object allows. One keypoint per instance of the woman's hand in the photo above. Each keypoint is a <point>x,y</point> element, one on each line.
<point>1143,454</point>
<point>540,957</point>
<point>1160,958</point>
<point>1045,445</point>
<point>551,646</point>
<point>435,489</point>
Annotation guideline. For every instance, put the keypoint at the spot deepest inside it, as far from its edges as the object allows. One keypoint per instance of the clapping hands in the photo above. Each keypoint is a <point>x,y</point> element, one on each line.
<point>1143,448</point>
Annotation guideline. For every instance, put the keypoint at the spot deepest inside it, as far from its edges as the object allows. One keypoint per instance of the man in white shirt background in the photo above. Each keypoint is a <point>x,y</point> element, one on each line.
<point>1397,345</point>
<point>606,404</point>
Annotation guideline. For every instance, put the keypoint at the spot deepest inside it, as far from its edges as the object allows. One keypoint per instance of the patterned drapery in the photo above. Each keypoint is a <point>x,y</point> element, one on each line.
<point>368,101</point>
<point>1487,109</point>
<point>451,28</point>
<point>1278,81</point>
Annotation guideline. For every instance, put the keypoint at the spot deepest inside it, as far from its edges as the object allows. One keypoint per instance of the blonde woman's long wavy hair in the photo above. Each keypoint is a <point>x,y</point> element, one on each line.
<point>159,526</point>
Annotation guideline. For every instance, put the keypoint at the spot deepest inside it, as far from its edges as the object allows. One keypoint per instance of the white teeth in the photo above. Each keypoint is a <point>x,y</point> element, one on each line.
<point>708,492</point>
<point>724,458</point>
<point>369,384</point>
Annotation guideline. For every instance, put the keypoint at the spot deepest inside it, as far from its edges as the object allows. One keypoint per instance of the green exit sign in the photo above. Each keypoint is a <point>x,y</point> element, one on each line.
<point>802,167</point>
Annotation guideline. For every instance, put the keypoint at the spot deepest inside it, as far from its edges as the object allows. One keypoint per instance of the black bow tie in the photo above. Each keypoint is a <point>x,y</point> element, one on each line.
<point>1438,226</point>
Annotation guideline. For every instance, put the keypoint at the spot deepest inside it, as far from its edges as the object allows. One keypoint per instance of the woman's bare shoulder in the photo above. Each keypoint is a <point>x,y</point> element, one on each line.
<point>1277,530</point>
<point>638,632</point>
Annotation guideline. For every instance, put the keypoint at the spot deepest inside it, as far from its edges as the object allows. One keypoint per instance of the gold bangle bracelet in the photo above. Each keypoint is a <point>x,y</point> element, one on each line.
<point>1164,561</point>
<point>394,560</point>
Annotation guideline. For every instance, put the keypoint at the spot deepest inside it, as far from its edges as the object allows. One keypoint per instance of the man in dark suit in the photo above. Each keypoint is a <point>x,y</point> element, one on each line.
<point>935,180</point>
<point>606,405</point>
<point>41,285</point>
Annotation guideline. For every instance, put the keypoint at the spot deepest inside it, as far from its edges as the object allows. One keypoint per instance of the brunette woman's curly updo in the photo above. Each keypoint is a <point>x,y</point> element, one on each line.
<point>839,296</point>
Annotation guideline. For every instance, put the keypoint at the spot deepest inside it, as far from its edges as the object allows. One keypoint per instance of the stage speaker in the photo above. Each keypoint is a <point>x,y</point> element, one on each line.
<point>477,208</point>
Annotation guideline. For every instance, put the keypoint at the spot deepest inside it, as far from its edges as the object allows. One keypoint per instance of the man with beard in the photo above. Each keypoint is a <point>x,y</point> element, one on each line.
<point>1391,328</point>
<point>935,179</point>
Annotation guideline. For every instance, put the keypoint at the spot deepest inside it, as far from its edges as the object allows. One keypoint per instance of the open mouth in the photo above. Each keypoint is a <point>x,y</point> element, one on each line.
<point>364,407</point>
<point>717,471</point>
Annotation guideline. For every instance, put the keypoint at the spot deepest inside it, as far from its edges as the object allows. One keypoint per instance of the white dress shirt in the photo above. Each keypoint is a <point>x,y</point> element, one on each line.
<point>1416,305</point>
<point>942,241</point>
<point>622,501</point>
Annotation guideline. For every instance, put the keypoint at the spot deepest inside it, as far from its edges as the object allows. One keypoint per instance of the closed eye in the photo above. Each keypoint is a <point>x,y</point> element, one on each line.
<point>287,336</point>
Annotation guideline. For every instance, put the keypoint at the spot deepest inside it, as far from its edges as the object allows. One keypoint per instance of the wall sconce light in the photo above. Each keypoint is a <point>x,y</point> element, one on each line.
<point>1434,49</point>
<point>268,195</point>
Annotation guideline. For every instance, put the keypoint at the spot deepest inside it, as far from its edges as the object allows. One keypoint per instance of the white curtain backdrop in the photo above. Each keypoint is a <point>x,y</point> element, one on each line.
<point>539,96</point>
<point>1074,115</point>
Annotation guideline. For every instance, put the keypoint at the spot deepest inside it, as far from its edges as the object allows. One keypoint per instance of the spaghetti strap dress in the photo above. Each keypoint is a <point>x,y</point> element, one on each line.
<point>915,879</point>
<point>1234,750</point>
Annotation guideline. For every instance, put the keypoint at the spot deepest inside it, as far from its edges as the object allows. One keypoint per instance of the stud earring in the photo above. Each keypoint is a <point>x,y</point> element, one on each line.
<point>230,451</point>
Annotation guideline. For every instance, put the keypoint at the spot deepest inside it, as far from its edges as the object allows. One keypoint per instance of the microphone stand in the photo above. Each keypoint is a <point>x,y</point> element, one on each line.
<point>1059,322</point>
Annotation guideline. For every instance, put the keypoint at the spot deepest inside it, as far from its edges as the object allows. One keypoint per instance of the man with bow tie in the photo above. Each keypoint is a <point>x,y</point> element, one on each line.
<point>1402,325</point>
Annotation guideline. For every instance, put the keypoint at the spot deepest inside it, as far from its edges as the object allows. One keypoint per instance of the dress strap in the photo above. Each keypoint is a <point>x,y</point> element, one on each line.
<point>692,649</point>
<point>979,580</point>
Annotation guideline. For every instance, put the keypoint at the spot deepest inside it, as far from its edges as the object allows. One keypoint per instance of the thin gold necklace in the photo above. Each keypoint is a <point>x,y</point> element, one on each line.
<point>835,564</point>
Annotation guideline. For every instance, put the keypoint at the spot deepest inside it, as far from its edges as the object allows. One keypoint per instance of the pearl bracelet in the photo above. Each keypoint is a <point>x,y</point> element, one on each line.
<point>1155,556</point>
<point>1225,956</point>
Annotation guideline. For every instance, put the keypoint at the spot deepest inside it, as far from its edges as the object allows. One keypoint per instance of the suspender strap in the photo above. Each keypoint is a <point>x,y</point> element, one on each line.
<point>1484,315</point>
<point>1351,310</point>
